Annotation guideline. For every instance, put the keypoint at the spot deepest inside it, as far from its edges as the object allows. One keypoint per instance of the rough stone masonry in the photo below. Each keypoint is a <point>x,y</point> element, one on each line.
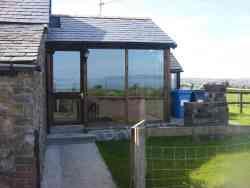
<point>212,112</point>
<point>22,111</point>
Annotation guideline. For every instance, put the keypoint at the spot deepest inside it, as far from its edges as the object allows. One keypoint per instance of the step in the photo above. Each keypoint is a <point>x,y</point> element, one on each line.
<point>67,129</point>
<point>70,138</point>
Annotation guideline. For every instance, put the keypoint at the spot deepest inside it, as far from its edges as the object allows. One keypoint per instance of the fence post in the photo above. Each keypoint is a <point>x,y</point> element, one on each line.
<point>241,102</point>
<point>137,156</point>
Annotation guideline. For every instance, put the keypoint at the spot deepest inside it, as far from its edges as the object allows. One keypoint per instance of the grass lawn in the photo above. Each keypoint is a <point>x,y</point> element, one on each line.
<point>116,156</point>
<point>204,164</point>
<point>239,118</point>
<point>235,116</point>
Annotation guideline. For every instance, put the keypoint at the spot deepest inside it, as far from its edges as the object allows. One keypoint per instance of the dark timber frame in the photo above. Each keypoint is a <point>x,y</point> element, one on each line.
<point>81,47</point>
<point>178,80</point>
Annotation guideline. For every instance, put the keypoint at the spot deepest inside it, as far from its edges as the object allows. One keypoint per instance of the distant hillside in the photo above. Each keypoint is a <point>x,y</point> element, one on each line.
<point>235,83</point>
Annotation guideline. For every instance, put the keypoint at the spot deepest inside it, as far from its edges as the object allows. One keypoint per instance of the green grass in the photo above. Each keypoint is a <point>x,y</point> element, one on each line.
<point>116,156</point>
<point>234,110</point>
<point>225,167</point>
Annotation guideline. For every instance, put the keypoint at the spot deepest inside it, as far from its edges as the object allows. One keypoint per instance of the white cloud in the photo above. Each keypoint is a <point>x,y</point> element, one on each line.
<point>206,55</point>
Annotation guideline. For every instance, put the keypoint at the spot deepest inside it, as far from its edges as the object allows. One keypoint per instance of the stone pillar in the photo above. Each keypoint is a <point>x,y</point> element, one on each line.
<point>212,112</point>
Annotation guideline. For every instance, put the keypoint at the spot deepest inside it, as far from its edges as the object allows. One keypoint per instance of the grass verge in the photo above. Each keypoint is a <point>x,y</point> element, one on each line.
<point>203,167</point>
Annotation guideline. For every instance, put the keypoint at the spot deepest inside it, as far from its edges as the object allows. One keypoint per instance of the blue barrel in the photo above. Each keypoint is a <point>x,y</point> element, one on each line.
<point>179,97</point>
<point>198,96</point>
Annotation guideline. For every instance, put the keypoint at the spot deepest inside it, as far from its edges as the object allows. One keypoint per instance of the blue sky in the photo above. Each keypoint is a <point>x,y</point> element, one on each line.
<point>213,36</point>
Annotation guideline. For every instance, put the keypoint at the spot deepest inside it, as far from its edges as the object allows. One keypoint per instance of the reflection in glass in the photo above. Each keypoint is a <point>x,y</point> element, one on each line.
<point>66,110</point>
<point>173,81</point>
<point>66,71</point>
<point>106,69</point>
<point>106,109</point>
<point>154,109</point>
<point>145,74</point>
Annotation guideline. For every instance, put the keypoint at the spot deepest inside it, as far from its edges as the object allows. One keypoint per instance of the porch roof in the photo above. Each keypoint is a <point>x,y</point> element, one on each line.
<point>112,30</point>
<point>175,66</point>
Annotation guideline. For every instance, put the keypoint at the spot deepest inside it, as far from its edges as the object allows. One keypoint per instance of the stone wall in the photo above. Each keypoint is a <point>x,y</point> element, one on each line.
<point>22,110</point>
<point>212,112</point>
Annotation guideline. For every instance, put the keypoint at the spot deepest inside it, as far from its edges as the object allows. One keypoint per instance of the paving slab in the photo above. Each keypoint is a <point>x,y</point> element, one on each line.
<point>75,166</point>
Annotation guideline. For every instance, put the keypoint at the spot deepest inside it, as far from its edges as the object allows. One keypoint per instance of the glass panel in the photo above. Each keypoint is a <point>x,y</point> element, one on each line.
<point>66,110</point>
<point>140,108</point>
<point>136,109</point>
<point>66,67</point>
<point>145,75</point>
<point>173,81</point>
<point>106,69</point>
<point>106,109</point>
<point>154,109</point>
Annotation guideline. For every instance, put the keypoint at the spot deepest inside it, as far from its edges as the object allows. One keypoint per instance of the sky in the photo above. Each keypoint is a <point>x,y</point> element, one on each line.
<point>213,36</point>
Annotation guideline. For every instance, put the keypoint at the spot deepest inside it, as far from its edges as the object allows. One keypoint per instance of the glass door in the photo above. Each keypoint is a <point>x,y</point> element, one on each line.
<point>67,88</point>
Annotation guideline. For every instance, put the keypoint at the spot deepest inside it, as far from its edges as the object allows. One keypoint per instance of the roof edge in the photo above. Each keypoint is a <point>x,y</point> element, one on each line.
<point>101,17</point>
<point>92,44</point>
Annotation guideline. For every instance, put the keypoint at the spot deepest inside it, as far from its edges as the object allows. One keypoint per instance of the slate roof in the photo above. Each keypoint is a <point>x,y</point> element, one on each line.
<point>175,66</point>
<point>108,29</point>
<point>22,24</point>
<point>25,11</point>
<point>20,42</point>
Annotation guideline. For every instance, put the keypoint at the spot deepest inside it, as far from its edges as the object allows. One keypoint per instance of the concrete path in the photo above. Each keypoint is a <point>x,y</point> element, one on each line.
<point>75,166</point>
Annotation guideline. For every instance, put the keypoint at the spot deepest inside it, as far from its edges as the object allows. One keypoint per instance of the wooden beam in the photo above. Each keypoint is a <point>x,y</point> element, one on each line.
<point>84,111</point>
<point>167,86</point>
<point>178,80</point>
<point>49,85</point>
<point>126,87</point>
<point>77,45</point>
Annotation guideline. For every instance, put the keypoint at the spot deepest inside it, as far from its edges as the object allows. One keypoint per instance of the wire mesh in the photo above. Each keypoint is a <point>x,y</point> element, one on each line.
<point>171,166</point>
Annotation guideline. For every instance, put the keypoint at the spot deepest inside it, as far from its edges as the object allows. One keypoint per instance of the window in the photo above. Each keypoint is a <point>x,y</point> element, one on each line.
<point>145,81</point>
<point>66,71</point>
<point>145,73</point>
<point>106,82</point>
<point>106,70</point>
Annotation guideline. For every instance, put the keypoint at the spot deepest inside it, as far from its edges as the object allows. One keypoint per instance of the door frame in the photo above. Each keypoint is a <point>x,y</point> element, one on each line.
<point>52,96</point>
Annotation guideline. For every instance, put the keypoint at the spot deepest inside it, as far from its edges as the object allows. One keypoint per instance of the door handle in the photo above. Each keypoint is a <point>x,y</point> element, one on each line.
<point>82,95</point>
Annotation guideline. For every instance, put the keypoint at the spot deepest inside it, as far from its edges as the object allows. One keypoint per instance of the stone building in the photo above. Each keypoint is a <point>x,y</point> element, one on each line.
<point>57,69</point>
<point>23,31</point>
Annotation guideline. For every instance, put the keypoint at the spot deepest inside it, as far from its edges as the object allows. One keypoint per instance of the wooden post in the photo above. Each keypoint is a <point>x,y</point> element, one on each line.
<point>84,100</point>
<point>126,87</point>
<point>49,85</point>
<point>137,156</point>
<point>167,86</point>
<point>241,102</point>
<point>178,80</point>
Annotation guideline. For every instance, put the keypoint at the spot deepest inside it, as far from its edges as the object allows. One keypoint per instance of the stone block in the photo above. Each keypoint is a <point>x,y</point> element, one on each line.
<point>215,88</point>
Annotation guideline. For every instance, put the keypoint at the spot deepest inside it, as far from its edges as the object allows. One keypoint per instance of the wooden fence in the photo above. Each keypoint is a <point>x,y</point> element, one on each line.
<point>241,102</point>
